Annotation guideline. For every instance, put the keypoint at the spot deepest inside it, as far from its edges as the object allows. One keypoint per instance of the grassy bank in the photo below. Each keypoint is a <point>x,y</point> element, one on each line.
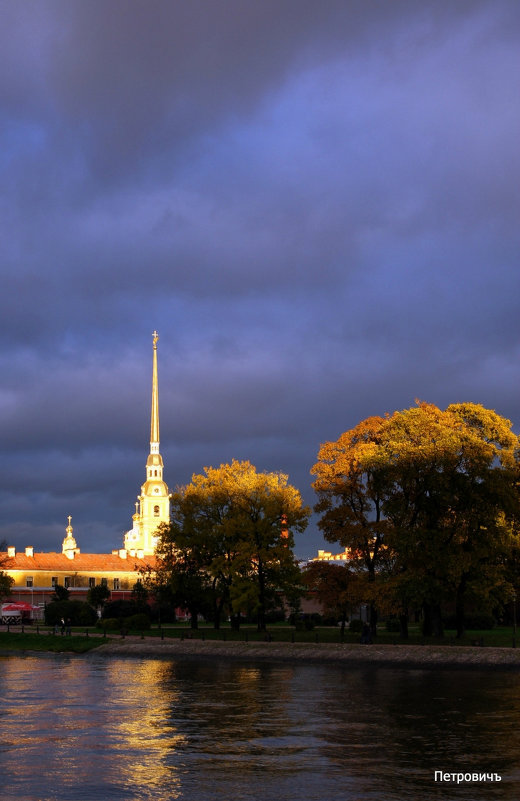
<point>82,640</point>
<point>76,644</point>
<point>501,637</point>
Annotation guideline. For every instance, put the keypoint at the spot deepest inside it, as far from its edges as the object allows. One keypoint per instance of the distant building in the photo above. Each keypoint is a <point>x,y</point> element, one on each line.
<point>36,574</point>
<point>328,556</point>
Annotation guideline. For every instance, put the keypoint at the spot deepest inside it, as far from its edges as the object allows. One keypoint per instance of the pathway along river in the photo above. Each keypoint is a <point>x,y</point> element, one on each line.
<point>89,728</point>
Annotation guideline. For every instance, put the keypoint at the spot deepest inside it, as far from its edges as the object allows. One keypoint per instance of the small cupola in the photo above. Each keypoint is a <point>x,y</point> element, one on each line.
<point>69,547</point>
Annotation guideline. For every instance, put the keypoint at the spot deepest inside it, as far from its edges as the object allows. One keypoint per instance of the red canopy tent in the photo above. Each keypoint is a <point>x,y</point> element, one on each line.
<point>18,611</point>
<point>18,606</point>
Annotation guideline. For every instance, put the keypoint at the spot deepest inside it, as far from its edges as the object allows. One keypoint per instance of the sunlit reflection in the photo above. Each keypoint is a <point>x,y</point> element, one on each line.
<point>74,728</point>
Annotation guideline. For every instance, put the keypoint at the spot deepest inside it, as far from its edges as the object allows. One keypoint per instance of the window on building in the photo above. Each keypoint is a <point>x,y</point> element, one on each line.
<point>54,581</point>
<point>156,511</point>
<point>116,583</point>
<point>29,581</point>
<point>66,583</point>
<point>104,582</point>
<point>91,581</point>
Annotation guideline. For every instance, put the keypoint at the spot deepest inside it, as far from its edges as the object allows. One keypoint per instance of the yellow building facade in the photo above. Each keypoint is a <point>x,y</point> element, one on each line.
<point>35,575</point>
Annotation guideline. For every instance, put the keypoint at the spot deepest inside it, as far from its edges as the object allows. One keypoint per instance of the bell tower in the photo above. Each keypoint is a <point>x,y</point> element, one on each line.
<point>69,546</point>
<point>153,504</point>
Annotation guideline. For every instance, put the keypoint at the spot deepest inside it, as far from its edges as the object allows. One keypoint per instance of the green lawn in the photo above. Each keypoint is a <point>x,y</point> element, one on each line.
<point>79,642</point>
<point>499,637</point>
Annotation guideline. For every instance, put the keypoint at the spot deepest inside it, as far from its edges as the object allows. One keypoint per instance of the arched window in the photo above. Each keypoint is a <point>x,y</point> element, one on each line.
<point>156,511</point>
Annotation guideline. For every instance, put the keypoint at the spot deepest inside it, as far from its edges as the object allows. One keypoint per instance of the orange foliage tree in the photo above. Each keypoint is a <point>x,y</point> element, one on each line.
<point>231,539</point>
<point>429,500</point>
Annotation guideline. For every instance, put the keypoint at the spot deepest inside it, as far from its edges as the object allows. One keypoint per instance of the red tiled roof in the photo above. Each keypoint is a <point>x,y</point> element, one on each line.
<point>84,561</point>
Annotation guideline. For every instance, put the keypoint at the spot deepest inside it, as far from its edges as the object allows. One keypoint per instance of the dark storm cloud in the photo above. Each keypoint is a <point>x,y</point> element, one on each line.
<point>315,204</point>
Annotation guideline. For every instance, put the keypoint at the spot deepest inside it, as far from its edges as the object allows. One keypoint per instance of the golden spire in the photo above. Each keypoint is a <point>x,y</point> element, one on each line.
<point>153,504</point>
<point>154,425</point>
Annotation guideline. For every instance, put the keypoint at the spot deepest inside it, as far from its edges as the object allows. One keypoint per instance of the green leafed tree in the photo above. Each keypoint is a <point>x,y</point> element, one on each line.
<point>140,595</point>
<point>6,582</point>
<point>98,596</point>
<point>231,539</point>
<point>60,593</point>
<point>180,573</point>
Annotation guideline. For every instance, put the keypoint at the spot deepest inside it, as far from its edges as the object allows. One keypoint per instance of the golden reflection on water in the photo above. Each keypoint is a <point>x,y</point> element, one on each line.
<point>66,718</point>
<point>78,729</point>
<point>143,687</point>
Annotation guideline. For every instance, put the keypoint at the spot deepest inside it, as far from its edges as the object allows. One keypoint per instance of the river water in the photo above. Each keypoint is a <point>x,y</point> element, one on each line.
<point>94,728</point>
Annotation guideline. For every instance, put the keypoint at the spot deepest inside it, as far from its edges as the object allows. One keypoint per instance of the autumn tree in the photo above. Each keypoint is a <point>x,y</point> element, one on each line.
<point>351,495</point>
<point>445,501</point>
<point>453,503</point>
<point>335,586</point>
<point>227,530</point>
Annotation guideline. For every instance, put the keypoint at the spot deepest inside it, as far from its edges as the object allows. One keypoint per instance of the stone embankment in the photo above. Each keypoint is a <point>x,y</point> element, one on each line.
<point>346,654</point>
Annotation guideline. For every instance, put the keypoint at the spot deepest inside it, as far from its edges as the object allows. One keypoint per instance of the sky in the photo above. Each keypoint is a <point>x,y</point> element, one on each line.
<point>315,204</point>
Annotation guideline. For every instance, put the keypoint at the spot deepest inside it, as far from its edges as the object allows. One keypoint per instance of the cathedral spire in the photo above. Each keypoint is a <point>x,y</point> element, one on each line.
<point>154,423</point>
<point>153,504</point>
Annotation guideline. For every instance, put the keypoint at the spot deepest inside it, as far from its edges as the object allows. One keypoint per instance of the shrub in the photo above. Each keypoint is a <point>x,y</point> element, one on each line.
<point>271,616</point>
<point>164,613</point>
<point>120,609</point>
<point>140,622</point>
<point>55,611</point>
<point>85,615</point>
<point>78,612</point>
<point>475,622</point>
<point>356,626</point>
<point>330,620</point>
<point>305,622</point>
<point>109,623</point>
<point>393,624</point>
